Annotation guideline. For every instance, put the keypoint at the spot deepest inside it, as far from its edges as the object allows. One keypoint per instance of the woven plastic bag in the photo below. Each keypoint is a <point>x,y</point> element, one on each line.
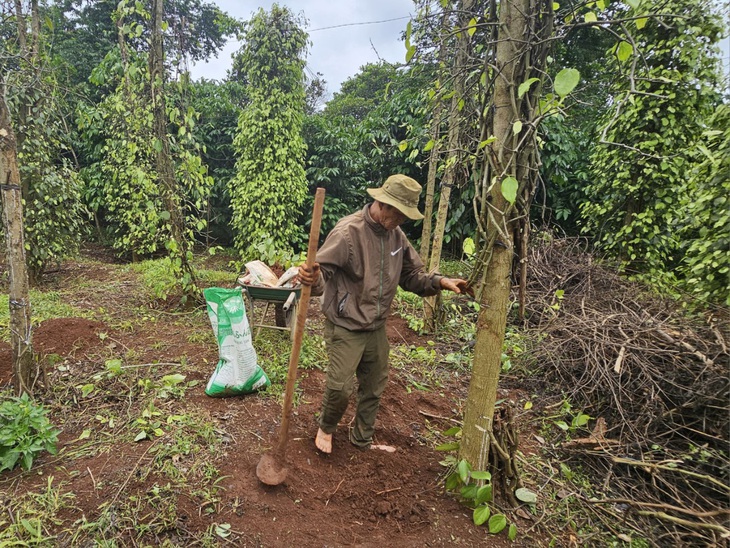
<point>237,371</point>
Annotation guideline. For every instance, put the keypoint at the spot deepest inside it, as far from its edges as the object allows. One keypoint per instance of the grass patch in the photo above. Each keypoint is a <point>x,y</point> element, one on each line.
<point>44,306</point>
<point>159,280</point>
<point>274,350</point>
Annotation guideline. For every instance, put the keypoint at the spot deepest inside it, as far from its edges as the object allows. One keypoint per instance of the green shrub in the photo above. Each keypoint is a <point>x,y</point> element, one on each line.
<point>25,431</point>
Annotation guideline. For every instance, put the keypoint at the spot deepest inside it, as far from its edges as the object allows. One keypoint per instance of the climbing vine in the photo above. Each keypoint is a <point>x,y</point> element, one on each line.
<point>122,185</point>
<point>640,167</point>
<point>270,184</point>
<point>705,234</point>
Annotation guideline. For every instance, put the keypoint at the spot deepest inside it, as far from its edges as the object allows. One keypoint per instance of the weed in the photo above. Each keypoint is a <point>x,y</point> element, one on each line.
<point>577,419</point>
<point>274,350</point>
<point>31,515</point>
<point>215,277</point>
<point>158,277</point>
<point>51,500</point>
<point>200,337</point>
<point>149,423</point>
<point>25,432</point>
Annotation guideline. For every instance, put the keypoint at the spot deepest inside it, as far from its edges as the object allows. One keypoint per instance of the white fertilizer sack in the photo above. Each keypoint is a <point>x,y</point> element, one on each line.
<point>237,371</point>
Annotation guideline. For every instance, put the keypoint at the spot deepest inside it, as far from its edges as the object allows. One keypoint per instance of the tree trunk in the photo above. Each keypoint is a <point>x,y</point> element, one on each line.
<point>35,24</point>
<point>432,305</point>
<point>22,31</point>
<point>23,111</point>
<point>431,182</point>
<point>163,160</point>
<point>12,211</point>
<point>491,327</point>
<point>433,157</point>
<point>492,322</point>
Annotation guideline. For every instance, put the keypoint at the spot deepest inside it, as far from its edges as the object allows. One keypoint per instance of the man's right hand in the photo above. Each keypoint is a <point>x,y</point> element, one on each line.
<point>308,276</point>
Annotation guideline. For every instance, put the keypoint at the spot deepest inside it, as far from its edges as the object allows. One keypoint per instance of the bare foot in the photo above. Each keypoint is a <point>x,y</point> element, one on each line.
<point>387,448</point>
<point>323,441</point>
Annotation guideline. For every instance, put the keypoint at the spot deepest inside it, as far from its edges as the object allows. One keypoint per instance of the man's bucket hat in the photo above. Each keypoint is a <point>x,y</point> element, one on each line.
<point>402,193</point>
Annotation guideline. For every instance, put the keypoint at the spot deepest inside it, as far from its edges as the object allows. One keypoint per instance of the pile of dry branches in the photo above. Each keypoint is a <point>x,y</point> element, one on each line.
<point>658,381</point>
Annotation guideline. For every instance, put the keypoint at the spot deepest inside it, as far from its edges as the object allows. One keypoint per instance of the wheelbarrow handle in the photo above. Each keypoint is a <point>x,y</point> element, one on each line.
<point>290,301</point>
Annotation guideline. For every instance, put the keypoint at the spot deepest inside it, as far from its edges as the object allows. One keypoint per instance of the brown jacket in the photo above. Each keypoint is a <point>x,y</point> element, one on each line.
<point>362,265</point>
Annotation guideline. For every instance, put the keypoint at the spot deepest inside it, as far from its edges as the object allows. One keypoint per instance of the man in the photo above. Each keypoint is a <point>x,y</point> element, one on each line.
<point>358,268</point>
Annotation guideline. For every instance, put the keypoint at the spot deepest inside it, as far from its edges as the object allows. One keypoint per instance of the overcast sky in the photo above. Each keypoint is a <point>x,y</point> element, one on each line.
<point>337,53</point>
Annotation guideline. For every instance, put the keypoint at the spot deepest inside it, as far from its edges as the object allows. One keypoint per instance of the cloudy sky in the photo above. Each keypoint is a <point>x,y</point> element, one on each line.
<point>364,31</point>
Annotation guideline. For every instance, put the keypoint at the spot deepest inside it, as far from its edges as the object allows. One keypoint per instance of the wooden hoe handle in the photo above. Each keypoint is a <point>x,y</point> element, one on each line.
<point>291,376</point>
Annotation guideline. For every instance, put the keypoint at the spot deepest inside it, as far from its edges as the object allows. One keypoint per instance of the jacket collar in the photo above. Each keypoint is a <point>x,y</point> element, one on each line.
<point>376,227</point>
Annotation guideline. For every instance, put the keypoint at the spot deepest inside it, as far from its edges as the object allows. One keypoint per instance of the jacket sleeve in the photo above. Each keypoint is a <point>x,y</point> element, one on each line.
<point>414,277</point>
<point>334,253</point>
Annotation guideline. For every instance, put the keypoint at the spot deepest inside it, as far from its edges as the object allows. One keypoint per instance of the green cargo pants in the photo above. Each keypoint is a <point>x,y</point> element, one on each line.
<point>351,353</point>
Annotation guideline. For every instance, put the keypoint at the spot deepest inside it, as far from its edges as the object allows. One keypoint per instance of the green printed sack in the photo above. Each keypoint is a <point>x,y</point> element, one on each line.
<point>237,371</point>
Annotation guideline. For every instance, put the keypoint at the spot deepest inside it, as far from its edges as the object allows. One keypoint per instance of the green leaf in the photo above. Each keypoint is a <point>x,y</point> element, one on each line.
<point>624,51</point>
<point>33,529</point>
<point>512,533</point>
<point>632,3</point>
<point>487,141</point>
<point>469,492</point>
<point>525,86</point>
<point>463,469</point>
<point>641,22</point>
<point>469,248</point>
<point>451,446</point>
<point>509,189</point>
<point>410,52</point>
<point>497,523</point>
<point>85,434</point>
<point>581,420</point>
<point>142,435</point>
<point>454,430</point>
<point>429,145</point>
<point>452,482</point>
<point>565,81</point>
<point>590,17</point>
<point>472,27</point>
<point>223,530</point>
<point>173,379</point>
<point>402,146</point>
<point>481,475</point>
<point>525,495</point>
<point>562,425</point>
<point>556,6</point>
<point>517,127</point>
<point>481,514</point>
<point>484,494</point>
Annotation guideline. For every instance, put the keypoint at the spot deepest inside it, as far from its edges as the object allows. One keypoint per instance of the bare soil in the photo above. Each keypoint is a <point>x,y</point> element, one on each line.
<point>349,498</point>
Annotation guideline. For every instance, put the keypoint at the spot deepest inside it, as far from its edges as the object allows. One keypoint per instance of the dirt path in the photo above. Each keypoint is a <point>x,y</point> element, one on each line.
<point>183,492</point>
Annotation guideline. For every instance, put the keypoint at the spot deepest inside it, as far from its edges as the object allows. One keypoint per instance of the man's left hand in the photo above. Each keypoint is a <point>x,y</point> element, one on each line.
<point>457,285</point>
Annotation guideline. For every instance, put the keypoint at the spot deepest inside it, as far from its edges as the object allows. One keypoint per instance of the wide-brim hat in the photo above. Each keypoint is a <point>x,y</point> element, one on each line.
<point>402,193</point>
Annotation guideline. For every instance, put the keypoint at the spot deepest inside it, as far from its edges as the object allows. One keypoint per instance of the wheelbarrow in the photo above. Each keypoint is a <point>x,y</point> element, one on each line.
<point>285,301</point>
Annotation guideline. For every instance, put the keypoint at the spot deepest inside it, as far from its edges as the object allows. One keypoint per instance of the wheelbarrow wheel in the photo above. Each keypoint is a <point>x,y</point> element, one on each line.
<point>280,316</point>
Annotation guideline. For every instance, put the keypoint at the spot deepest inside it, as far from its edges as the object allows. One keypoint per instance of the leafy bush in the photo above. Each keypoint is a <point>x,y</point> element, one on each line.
<point>25,431</point>
<point>706,226</point>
